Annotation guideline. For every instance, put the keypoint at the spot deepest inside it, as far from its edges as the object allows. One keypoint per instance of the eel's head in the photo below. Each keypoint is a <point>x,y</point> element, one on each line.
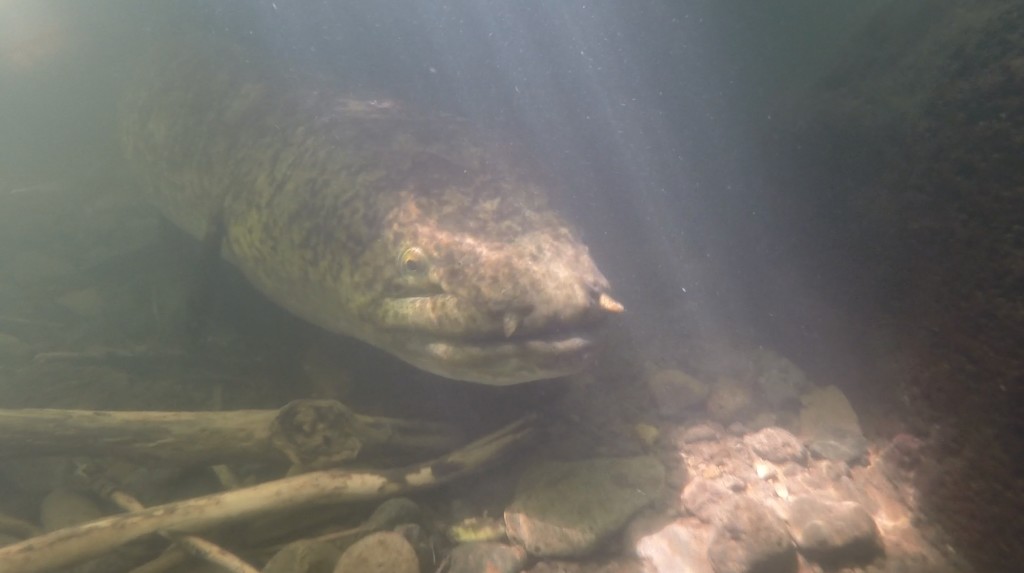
<point>499,294</point>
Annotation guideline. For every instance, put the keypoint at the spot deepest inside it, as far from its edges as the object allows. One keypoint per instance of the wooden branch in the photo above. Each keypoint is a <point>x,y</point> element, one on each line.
<point>308,433</point>
<point>74,544</point>
<point>193,545</point>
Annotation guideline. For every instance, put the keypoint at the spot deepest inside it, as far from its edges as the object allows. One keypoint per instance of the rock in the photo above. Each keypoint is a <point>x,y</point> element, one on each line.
<point>826,412</point>
<point>781,382</point>
<point>675,548</point>
<point>568,508</point>
<point>676,393</point>
<point>391,512</point>
<point>730,401</point>
<point>64,508</point>
<point>776,445</point>
<point>835,534</point>
<point>86,303</point>
<point>487,557</point>
<point>830,426</point>
<point>700,433</point>
<point>839,447</point>
<point>750,538</point>
<point>303,557</point>
<point>382,552</point>
<point>420,540</point>
<point>703,497</point>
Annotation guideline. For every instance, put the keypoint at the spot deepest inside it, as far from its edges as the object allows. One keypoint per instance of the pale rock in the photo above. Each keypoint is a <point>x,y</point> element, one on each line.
<point>750,538</point>
<point>382,552</point>
<point>675,548</point>
<point>834,533</point>
<point>703,498</point>
<point>776,445</point>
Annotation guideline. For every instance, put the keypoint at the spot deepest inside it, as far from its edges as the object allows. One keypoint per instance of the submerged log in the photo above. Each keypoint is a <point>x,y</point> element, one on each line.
<point>307,433</point>
<point>75,544</point>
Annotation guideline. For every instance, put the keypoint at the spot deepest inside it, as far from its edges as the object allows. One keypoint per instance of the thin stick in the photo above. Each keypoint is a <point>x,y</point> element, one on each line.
<point>191,544</point>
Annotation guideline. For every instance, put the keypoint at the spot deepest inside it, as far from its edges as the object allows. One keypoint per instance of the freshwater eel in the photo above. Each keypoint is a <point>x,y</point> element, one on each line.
<point>410,231</point>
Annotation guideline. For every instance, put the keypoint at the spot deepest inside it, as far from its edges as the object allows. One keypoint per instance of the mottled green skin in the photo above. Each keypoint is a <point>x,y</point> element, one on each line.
<point>321,197</point>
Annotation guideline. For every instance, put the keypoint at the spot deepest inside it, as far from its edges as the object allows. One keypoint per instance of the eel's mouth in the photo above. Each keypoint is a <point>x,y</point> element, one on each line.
<point>448,336</point>
<point>501,362</point>
<point>456,338</point>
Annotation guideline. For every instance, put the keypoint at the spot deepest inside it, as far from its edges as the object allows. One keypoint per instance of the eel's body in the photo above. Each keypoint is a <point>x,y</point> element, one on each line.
<point>406,231</point>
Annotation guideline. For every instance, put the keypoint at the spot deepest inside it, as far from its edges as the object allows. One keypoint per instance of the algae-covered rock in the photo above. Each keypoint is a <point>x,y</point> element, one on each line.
<point>826,410</point>
<point>830,426</point>
<point>675,392</point>
<point>477,529</point>
<point>564,509</point>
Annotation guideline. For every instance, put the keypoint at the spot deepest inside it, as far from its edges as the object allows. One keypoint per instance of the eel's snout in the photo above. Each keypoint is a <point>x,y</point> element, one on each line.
<point>598,305</point>
<point>602,301</point>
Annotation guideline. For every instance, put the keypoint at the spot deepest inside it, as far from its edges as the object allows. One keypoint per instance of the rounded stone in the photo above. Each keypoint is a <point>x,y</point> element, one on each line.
<point>567,509</point>
<point>675,392</point>
<point>383,552</point>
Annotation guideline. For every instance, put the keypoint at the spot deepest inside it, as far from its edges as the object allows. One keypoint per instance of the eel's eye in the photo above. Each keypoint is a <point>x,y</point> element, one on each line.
<point>413,260</point>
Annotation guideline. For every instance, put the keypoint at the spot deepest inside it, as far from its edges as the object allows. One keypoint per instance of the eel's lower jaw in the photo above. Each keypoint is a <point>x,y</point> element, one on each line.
<point>503,362</point>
